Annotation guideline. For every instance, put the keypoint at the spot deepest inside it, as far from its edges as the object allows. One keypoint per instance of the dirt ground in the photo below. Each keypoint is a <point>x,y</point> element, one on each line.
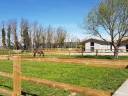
<point>82,61</point>
<point>88,62</point>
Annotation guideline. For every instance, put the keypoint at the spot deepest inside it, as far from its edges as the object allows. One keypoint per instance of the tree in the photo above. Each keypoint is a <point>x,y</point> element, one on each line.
<point>42,36</point>
<point>33,38</point>
<point>110,19</point>
<point>30,36</point>
<point>9,36</point>
<point>25,34</point>
<point>3,37</point>
<point>14,32</point>
<point>60,36</point>
<point>49,39</point>
<point>36,38</point>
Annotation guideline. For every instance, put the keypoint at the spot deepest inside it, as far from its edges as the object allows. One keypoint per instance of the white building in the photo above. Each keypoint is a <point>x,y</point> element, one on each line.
<point>91,45</point>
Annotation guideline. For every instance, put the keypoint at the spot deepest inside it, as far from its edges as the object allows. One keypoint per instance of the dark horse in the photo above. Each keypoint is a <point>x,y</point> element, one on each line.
<point>40,52</point>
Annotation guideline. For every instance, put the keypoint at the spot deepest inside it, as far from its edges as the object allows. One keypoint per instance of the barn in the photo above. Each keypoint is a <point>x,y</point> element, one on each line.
<point>92,44</point>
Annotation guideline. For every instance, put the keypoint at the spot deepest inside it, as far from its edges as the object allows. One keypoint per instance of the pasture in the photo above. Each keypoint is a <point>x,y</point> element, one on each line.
<point>102,73</point>
<point>107,79</point>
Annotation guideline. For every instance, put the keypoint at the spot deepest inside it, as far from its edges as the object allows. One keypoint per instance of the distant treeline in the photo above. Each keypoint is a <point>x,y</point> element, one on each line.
<point>25,35</point>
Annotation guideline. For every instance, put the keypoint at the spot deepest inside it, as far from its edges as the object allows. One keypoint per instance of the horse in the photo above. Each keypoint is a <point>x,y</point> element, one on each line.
<point>40,52</point>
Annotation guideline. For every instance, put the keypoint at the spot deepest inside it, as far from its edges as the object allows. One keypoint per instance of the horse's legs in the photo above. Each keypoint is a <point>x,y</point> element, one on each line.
<point>34,55</point>
<point>43,54</point>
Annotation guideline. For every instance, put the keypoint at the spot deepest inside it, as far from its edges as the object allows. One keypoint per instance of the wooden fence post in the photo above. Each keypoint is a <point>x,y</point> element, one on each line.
<point>16,76</point>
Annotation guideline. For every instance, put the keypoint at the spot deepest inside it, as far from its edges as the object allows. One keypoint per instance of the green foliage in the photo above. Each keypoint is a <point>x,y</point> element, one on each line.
<point>9,36</point>
<point>3,37</point>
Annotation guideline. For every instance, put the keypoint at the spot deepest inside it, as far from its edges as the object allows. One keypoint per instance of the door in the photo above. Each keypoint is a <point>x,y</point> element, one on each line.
<point>92,46</point>
<point>126,48</point>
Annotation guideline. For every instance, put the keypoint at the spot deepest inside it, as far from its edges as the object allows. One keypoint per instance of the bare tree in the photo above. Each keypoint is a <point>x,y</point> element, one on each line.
<point>25,34</point>
<point>110,19</point>
<point>42,36</point>
<point>34,30</point>
<point>60,36</point>
<point>49,39</point>
<point>30,36</point>
<point>14,32</point>
<point>38,37</point>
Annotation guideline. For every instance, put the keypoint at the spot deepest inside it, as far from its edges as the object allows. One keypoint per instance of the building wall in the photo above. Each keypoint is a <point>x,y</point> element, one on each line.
<point>102,48</point>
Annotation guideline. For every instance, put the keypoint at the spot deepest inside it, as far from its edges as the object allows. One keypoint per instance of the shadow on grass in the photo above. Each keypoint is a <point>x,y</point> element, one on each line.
<point>24,93</point>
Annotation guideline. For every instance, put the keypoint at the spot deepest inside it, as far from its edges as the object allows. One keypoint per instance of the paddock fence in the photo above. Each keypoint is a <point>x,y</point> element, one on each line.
<point>65,52</point>
<point>17,78</point>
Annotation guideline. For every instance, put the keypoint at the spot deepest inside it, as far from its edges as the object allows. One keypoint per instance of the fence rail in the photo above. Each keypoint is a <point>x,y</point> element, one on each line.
<point>106,50</point>
<point>17,77</point>
<point>72,88</point>
<point>5,92</point>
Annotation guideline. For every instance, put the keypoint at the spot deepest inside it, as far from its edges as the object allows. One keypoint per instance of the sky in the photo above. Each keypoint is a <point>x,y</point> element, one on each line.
<point>69,14</point>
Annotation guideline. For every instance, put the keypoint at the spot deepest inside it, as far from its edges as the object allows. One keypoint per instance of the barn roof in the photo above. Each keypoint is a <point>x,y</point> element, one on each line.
<point>125,41</point>
<point>102,42</point>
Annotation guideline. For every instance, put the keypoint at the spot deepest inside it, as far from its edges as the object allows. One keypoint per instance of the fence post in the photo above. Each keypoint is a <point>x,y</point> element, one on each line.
<point>16,76</point>
<point>9,54</point>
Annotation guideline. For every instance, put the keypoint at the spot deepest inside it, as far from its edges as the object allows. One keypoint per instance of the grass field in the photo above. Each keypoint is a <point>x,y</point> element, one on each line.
<point>34,89</point>
<point>90,56</point>
<point>98,78</point>
<point>102,57</point>
<point>30,88</point>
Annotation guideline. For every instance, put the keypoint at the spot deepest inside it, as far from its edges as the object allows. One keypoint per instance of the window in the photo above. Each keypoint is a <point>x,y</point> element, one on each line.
<point>92,44</point>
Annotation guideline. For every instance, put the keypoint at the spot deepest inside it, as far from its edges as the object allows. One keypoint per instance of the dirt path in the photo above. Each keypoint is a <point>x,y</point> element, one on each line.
<point>82,61</point>
<point>88,62</point>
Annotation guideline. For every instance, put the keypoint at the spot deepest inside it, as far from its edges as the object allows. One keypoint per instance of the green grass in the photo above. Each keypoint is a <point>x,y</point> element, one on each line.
<point>89,56</point>
<point>95,57</point>
<point>34,89</point>
<point>101,57</point>
<point>107,79</point>
<point>6,66</point>
<point>27,55</point>
<point>6,52</point>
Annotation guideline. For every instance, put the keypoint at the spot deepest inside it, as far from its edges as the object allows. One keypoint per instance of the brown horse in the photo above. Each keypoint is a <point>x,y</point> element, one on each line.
<point>40,52</point>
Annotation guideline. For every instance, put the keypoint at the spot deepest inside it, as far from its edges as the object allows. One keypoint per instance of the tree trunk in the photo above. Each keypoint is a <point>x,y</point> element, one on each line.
<point>116,52</point>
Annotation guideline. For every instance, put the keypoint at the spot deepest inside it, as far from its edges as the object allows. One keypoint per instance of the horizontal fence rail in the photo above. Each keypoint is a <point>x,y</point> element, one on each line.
<point>5,92</point>
<point>72,88</point>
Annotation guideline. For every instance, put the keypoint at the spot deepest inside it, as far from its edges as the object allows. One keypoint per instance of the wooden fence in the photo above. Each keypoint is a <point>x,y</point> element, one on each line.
<point>17,77</point>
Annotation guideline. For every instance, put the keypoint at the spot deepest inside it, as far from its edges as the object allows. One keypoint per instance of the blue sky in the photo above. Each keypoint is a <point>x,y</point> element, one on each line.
<point>67,13</point>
